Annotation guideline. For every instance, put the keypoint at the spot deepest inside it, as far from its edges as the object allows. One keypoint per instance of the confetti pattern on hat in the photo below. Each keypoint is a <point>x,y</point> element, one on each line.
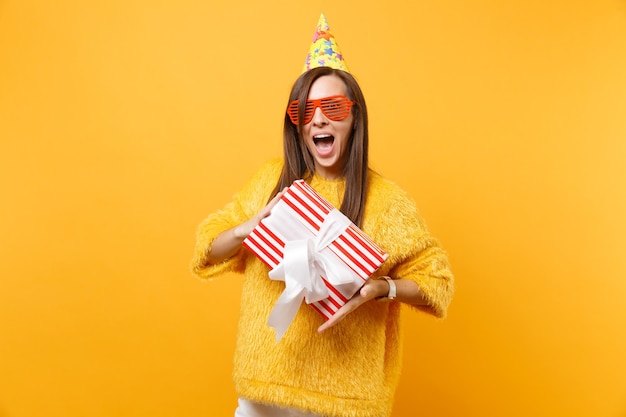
<point>324,51</point>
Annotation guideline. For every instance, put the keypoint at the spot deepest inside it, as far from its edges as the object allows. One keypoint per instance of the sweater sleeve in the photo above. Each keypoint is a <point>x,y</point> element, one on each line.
<point>230,216</point>
<point>413,253</point>
<point>245,204</point>
<point>427,264</point>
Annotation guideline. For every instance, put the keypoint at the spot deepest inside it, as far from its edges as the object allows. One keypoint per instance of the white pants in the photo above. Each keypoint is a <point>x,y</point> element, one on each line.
<point>251,409</point>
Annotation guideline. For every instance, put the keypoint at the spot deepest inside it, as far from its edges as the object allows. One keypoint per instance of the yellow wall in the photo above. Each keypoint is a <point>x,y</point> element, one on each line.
<point>123,123</point>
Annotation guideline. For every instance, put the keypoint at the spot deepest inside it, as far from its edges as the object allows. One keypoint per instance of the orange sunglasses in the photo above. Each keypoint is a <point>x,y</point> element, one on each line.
<point>335,108</point>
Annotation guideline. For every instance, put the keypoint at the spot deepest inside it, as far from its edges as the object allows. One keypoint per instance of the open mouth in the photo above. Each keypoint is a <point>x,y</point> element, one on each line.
<point>323,141</point>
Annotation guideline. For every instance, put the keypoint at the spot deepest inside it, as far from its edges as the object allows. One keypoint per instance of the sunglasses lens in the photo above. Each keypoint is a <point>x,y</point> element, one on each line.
<point>336,108</point>
<point>292,111</point>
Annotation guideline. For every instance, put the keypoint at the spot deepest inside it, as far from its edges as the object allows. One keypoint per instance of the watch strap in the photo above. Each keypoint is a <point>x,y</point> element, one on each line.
<point>392,288</point>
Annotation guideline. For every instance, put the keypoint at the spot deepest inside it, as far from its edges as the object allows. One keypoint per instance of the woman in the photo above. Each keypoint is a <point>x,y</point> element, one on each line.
<point>348,366</point>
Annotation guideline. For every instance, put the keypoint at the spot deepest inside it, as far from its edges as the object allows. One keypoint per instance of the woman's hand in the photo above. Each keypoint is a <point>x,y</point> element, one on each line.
<point>371,289</point>
<point>244,229</point>
<point>227,243</point>
<point>407,291</point>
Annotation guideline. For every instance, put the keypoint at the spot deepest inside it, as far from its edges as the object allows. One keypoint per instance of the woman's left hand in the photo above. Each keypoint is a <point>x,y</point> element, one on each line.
<point>371,289</point>
<point>407,291</point>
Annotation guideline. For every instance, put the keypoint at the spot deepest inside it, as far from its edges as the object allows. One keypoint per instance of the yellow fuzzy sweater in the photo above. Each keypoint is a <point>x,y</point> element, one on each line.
<point>352,369</point>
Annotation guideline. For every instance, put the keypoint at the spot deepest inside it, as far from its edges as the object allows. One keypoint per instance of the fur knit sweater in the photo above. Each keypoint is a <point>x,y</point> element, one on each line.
<point>352,369</point>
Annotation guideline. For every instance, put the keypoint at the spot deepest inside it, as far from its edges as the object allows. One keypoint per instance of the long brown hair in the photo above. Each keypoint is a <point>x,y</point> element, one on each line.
<point>299,163</point>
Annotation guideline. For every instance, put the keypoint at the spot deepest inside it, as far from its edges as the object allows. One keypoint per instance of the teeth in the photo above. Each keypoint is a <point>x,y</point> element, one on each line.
<point>322,136</point>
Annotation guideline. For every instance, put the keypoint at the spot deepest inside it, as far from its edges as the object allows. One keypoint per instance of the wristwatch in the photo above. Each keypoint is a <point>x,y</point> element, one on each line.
<point>392,288</point>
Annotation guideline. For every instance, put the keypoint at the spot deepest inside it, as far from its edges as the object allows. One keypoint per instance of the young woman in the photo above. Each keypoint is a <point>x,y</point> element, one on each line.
<point>349,365</point>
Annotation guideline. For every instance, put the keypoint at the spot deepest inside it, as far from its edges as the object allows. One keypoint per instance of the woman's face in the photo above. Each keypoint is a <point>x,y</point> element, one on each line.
<point>328,140</point>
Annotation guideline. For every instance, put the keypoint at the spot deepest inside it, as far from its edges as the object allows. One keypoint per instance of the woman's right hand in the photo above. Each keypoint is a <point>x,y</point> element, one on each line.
<point>244,229</point>
<point>227,243</point>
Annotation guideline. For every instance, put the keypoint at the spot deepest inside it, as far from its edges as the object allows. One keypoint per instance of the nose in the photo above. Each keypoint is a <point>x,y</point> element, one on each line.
<point>319,118</point>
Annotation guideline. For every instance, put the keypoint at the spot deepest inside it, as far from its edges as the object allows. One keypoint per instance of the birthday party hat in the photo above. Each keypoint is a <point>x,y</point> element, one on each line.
<point>324,51</point>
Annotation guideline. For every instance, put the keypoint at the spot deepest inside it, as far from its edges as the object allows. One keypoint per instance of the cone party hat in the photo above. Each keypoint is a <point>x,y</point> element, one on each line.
<point>324,51</point>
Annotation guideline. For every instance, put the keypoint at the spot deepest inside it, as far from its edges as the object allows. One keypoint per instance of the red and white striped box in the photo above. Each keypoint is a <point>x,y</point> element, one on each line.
<point>299,215</point>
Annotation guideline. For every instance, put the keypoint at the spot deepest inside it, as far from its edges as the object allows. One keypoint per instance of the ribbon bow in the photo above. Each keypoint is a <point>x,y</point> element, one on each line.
<point>302,268</point>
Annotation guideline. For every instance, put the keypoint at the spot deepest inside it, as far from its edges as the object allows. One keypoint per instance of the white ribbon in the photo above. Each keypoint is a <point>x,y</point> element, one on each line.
<point>303,265</point>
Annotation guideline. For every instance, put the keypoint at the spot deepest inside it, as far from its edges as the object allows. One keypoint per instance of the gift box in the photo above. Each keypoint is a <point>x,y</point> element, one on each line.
<point>322,257</point>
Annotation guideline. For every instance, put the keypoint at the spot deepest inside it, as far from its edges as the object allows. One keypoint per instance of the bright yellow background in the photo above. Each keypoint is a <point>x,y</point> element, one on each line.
<point>123,123</point>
